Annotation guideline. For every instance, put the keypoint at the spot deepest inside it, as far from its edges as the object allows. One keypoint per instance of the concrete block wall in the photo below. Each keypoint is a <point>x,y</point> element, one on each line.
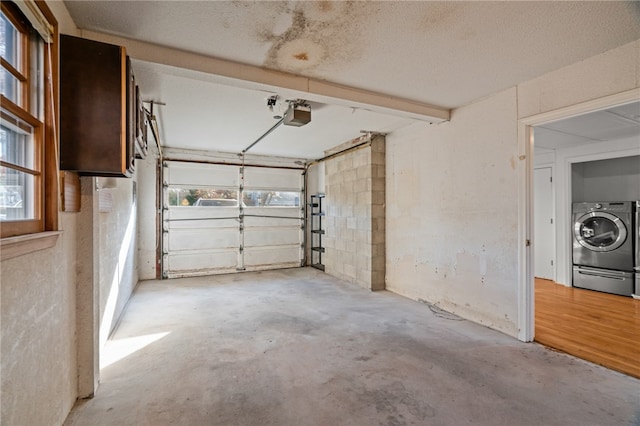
<point>355,216</point>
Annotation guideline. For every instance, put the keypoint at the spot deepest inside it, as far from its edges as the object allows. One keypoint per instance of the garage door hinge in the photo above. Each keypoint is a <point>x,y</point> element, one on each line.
<point>528,243</point>
<point>241,249</point>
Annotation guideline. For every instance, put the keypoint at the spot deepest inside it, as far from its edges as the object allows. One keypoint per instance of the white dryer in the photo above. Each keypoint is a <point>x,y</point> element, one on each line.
<point>603,247</point>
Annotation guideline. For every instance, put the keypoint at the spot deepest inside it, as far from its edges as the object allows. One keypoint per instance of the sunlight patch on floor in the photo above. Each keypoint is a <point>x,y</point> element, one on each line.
<point>117,349</point>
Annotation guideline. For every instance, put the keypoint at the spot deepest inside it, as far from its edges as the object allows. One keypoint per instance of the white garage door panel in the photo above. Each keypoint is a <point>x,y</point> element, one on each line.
<point>272,257</point>
<point>197,175</point>
<point>260,237</point>
<point>201,263</point>
<point>179,213</point>
<point>222,219</point>
<point>265,178</point>
<point>203,239</point>
<point>253,214</point>
<point>205,224</point>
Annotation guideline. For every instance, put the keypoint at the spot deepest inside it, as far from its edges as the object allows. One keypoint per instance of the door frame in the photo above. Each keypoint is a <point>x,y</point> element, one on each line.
<point>526,288</point>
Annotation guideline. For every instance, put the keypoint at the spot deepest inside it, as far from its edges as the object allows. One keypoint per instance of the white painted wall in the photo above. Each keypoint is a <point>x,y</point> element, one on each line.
<point>611,72</point>
<point>38,324</point>
<point>453,193</point>
<point>452,212</point>
<point>316,179</point>
<point>146,172</point>
<point>44,338</point>
<point>118,274</point>
<point>615,179</point>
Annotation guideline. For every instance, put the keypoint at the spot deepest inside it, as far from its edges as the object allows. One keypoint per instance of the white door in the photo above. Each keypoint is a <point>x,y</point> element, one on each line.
<point>544,227</point>
<point>225,218</point>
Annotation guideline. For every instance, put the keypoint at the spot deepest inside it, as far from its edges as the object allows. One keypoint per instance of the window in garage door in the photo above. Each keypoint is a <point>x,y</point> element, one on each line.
<point>226,218</point>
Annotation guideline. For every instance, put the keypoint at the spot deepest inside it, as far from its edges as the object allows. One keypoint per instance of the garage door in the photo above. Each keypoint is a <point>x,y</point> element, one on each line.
<point>227,218</point>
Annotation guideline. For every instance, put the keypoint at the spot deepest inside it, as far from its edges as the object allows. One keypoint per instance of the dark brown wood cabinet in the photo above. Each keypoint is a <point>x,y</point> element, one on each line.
<point>99,124</point>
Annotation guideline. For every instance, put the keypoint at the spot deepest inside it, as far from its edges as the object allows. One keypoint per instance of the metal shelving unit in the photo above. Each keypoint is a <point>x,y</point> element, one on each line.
<point>316,231</point>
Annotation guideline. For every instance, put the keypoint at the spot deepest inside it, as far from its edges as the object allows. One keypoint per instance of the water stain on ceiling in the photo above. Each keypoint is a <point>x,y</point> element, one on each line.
<point>320,34</point>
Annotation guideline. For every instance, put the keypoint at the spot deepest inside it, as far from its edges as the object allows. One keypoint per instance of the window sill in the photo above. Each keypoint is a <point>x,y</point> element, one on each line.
<point>24,244</point>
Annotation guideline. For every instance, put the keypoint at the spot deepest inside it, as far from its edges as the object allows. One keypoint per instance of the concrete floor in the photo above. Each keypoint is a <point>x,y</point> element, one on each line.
<point>298,347</point>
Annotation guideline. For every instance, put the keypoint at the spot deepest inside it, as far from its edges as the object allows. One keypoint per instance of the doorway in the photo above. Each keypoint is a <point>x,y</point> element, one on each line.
<point>562,188</point>
<point>580,155</point>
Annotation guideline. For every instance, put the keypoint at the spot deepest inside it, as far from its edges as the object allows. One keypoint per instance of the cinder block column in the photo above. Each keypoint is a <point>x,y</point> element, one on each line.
<point>355,226</point>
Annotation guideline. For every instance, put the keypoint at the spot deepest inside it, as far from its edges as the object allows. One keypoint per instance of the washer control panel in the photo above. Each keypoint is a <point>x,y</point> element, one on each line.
<point>623,206</point>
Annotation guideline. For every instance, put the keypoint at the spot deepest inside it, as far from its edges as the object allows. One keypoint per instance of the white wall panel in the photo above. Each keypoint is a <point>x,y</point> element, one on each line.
<point>260,215</point>
<point>190,213</point>
<point>276,236</point>
<point>197,174</point>
<point>203,239</point>
<point>266,178</point>
<point>201,263</point>
<point>269,257</point>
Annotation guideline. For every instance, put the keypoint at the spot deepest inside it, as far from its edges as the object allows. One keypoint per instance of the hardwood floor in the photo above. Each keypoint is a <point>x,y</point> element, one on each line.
<point>599,327</point>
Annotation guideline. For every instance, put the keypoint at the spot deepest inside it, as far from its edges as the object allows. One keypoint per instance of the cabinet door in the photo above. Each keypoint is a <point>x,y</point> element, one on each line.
<point>132,112</point>
<point>93,108</point>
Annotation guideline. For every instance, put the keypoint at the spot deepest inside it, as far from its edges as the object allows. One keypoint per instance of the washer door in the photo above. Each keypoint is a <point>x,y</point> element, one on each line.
<point>600,231</point>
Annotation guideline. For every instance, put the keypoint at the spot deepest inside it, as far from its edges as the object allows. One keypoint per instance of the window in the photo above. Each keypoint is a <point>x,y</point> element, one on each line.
<point>203,197</point>
<point>28,182</point>
<point>257,198</point>
<point>228,197</point>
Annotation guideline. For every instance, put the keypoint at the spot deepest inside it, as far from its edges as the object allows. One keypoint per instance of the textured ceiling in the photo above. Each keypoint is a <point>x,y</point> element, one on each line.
<point>446,54</point>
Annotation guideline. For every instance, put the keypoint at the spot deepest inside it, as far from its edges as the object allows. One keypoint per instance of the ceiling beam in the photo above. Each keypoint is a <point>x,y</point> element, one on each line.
<point>240,75</point>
